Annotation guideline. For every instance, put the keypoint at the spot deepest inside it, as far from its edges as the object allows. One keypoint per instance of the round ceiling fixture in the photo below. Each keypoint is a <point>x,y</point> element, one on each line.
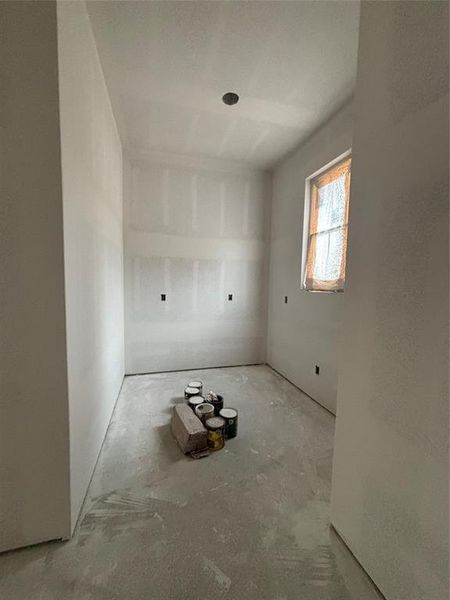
<point>230,98</point>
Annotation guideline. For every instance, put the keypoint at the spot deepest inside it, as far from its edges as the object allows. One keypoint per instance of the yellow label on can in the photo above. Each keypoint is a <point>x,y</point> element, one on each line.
<point>215,439</point>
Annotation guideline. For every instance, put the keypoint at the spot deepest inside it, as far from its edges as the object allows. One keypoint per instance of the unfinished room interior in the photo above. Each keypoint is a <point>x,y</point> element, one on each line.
<point>224,281</point>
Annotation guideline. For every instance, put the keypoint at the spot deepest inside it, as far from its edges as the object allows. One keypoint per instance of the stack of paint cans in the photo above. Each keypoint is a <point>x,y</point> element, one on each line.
<point>221,423</point>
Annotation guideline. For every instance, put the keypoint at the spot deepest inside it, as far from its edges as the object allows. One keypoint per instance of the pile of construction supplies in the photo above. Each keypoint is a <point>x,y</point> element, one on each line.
<point>201,425</point>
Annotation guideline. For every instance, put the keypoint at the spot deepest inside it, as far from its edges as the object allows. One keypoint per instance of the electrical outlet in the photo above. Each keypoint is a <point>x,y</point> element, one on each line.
<point>317,370</point>
<point>230,297</point>
<point>163,297</point>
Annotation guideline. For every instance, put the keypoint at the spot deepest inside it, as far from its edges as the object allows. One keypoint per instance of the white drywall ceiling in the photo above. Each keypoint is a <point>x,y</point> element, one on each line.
<point>167,65</point>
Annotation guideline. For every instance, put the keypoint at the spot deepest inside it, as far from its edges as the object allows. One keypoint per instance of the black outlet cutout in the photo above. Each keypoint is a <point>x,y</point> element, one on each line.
<point>230,296</point>
<point>285,299</point>
<point>317,370</point>
<point>163,297</point>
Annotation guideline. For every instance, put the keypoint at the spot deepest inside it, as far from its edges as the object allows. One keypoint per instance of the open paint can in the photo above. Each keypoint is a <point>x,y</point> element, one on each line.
<point>204,411</point>
<point>195,401</point>
<point>191,391</point>
<point>216,437</point>
<point>198,385</point>
<point>216,401</point>
<point>230,416</point>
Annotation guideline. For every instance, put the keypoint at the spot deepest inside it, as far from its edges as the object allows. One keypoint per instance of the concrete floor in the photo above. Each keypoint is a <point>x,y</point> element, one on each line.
<point>248,522</point>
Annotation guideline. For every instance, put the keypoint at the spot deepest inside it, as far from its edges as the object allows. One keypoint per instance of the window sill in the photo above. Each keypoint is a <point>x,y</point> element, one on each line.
<point>322,291</point>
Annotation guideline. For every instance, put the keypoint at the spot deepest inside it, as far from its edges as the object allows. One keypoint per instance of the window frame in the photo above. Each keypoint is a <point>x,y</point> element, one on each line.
<point>325,288</point>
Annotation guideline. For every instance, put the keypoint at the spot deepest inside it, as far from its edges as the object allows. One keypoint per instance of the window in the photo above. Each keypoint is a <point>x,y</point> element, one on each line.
<point>326,246</point>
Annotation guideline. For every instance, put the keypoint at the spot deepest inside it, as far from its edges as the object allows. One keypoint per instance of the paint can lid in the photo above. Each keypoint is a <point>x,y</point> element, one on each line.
<point>191,390</point>
<point>196,400</point>
<point>228,413</point>
<point>215,423</point>
<point>195,384</point>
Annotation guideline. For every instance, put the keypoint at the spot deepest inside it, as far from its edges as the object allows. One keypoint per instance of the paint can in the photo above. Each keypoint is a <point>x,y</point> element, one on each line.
<point>216,401</point>
<point>216,438</point>
<point>204,411</point>
<point>190,391</point>
<point>198,385</point>
<point>230,416</point>
<point>195,401</point>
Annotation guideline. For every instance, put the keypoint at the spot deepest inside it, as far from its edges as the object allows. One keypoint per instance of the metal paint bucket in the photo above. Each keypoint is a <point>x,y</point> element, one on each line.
<point>204,411</point>
<point>190,391</point>
<point>195,401</point>
<point>216,438</point>
<point>217,401</point>
<point>230,416</point>
<point>198,385</point>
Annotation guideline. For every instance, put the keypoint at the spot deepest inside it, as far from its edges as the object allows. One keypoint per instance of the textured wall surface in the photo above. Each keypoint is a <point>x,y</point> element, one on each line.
<point>195,231</point>
<point>305,331</point>
<point>390,495</point>
<point>34,444</point>
<point>93,244</point>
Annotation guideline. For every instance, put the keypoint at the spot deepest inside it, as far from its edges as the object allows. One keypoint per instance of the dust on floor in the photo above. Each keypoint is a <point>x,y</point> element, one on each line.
<point>248,522</point>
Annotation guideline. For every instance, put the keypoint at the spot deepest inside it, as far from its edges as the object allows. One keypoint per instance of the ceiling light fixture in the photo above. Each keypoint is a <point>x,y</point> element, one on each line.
<point>230,98</point>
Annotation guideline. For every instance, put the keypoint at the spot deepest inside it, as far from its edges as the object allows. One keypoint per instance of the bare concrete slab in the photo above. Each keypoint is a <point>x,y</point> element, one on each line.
<point>249,522</point>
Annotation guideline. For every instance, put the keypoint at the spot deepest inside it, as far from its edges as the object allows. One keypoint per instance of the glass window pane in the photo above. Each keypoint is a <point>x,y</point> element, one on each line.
<point>331,204</point>
<point>328,259</point>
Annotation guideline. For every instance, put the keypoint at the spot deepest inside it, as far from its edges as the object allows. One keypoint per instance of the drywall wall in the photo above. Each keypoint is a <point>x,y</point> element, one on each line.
<point>195,230</point>
<point>304,332</point>
<point>34,446</point>
<point>390,497</point>
<point>93,244</point>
